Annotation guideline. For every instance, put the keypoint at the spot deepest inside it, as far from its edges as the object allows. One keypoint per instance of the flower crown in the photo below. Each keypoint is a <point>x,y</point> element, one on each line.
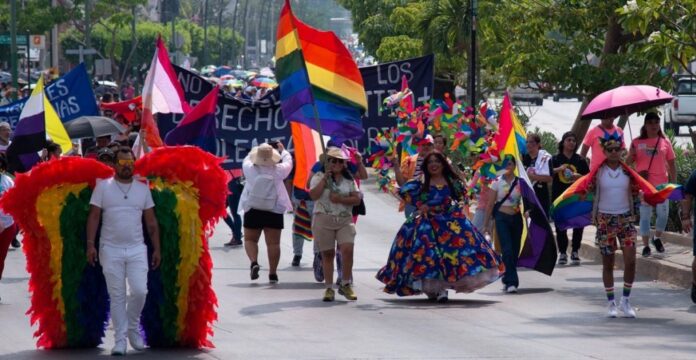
<point>610,140</point>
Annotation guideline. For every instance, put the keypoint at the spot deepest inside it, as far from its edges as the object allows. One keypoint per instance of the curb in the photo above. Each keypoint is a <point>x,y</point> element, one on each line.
<point>673,267</point>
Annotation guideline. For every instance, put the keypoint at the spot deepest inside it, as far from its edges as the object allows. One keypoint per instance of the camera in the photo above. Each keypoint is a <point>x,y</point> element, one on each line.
<point>274,144</point>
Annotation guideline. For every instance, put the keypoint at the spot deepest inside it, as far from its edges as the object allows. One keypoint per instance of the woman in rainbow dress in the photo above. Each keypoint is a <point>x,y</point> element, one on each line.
<point>438,248</point>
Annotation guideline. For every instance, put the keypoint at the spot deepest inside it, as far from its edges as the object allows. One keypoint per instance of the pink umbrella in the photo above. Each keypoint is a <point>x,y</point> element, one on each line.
<point>625,100</point>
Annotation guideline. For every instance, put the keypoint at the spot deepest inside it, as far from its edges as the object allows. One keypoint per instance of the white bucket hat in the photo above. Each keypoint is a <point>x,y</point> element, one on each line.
<point>336,152</point>
<point>264,155</point>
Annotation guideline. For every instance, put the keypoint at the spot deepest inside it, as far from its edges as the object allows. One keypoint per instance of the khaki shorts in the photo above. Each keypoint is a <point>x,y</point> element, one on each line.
<point>328,230</point>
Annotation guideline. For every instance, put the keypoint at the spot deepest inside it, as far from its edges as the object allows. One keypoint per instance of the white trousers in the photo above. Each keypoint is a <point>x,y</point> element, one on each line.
<point>119,264</point>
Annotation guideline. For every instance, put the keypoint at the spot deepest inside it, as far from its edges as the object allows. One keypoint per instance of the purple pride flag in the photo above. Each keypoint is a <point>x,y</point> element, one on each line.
<point>197,127</point>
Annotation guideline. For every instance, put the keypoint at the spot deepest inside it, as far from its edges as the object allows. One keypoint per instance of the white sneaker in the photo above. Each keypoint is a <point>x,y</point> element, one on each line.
<point>136,341</point>
<point>512,289</point>
<point>626,308</point>
<point>119,349</point>
<point>613,312</point>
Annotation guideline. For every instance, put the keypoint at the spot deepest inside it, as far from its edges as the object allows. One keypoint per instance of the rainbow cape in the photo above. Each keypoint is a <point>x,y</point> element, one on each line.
<point>573,208</point>
<point>69,301</point>
<point>314,69</point>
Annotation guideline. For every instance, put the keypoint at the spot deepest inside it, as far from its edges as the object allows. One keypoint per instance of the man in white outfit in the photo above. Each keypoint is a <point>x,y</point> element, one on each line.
<point>122,250</point>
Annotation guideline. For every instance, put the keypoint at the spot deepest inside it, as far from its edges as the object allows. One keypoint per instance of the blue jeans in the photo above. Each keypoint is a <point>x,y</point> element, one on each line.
<point>233,220</point>
<point>662,212</point>
<point>509,229</point>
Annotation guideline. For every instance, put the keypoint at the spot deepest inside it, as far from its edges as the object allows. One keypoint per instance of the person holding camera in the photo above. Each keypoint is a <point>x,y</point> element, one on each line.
<point>335,193</point>
<point>264,201</point>
<point>654,161</point>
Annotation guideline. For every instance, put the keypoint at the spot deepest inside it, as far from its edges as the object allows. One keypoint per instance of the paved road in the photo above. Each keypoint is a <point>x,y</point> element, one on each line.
<point>558,317</point>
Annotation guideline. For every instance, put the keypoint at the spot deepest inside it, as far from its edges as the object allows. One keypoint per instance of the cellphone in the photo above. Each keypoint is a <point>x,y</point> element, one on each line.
<point>274,144</point>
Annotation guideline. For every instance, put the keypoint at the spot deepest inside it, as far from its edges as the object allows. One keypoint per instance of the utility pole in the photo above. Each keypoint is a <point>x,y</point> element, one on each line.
<point>472,56</point>
<point>205,33</point>
<point>13,46</point>
<point>133,39</point>
<point>88,30</point>
<point>173,19</point>
<point>220,59</point>
<point>54,41</point>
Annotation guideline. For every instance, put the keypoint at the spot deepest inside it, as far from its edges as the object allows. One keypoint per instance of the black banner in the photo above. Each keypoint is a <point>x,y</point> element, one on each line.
<point>243,124</point>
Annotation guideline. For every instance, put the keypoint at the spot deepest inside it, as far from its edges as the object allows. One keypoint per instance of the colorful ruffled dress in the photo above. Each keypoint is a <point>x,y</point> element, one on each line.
<point>440,251</point>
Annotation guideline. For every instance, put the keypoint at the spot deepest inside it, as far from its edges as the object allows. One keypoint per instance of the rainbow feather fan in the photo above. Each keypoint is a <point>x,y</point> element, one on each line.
<point>69,300</point>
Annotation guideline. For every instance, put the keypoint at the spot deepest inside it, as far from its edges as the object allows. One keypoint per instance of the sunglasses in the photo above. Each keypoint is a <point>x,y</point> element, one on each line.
<point>124,162</point>
<point>336,161</point>
<point>613,149</point>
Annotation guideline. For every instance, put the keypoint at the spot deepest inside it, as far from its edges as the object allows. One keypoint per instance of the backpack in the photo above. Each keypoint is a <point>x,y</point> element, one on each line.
<point>263,194</point>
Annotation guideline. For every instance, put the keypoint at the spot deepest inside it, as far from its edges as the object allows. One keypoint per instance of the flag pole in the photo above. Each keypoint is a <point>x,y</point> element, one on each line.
<point>318,123</point>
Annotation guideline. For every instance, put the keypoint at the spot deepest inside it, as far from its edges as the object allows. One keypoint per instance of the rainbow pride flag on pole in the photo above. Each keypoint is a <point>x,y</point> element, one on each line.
<point>538,249</point>
<point>320,84</point>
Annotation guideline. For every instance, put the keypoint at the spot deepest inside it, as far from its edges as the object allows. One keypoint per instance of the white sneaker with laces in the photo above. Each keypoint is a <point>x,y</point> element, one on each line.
<point>119,349</point>
<point>136,341</point>
<point>626,308</point>
<point>613,311</point>
<point>512,289</point>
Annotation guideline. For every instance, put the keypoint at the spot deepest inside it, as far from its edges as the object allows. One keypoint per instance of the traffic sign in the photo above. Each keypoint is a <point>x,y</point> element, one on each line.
<point>7,39</point>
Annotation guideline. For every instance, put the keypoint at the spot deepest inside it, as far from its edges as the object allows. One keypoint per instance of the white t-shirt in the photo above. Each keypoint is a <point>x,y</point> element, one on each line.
<point>613,191</point>
<point>122,211</point>
<point>6,183</point>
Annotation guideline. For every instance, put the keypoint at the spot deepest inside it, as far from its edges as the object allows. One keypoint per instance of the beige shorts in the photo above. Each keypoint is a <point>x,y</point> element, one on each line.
<point>329,230</point>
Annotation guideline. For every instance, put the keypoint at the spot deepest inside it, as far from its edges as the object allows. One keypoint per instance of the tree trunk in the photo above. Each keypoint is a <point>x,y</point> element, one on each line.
<point>245,29</point>
<point>612,43</point>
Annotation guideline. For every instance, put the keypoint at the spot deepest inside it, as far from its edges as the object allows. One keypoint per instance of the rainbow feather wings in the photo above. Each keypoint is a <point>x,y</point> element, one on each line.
<point>69,301</point>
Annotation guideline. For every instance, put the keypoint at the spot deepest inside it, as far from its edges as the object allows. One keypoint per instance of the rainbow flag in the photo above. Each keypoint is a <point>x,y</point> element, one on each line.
<point>314,68</point>
<point>573,208</point>
<point>307,144</point>
<point>537,247</point>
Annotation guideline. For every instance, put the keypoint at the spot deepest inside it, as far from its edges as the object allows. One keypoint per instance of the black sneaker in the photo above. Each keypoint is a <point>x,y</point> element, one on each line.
<point>296,260</point>
<point>255,270</point>
<point>234,242</point>
<point>646,251</point>
<point>273,278</point>
<point>658,244</point>
<point>574,258</point>
<point>693,293</point>
<point>15,243</point>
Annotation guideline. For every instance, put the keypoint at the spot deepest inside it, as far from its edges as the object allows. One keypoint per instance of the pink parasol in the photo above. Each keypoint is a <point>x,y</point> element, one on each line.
<point>625,100</point>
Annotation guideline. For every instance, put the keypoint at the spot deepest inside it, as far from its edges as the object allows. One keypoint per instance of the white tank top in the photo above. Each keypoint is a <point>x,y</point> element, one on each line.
<point>613,191</point>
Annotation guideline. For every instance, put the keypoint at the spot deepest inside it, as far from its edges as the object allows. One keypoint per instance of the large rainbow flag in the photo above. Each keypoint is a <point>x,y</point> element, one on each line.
<point>314,68</point>
<point>573,208</point>
<point>537,247</point>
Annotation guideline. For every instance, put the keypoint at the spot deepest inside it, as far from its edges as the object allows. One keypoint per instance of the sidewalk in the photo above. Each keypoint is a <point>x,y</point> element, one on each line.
<point>673,266</point>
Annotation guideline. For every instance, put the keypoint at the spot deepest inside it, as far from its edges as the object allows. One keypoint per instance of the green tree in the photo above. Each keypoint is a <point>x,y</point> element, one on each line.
<point>669,28</point>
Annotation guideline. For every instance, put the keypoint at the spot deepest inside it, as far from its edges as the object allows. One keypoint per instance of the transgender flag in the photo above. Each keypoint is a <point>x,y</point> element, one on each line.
<point>315,69</point>
<point>197,127</point>
<point>162,94</point>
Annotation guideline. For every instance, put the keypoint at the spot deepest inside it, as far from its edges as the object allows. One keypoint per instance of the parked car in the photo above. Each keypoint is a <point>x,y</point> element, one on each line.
<point>682,110</point>
<point>527,93</point>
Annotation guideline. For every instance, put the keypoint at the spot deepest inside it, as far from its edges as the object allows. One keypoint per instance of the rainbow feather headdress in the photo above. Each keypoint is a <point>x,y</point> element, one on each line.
<point>69,301</point>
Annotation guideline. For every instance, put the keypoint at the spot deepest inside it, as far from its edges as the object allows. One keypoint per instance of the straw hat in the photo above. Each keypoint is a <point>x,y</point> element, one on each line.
<point>264,155</point>
<point>336,152</point>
